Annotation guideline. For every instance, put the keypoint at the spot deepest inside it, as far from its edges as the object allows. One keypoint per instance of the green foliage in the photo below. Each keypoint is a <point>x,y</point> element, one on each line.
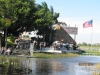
<point>10,40</point>
<point>14,9</point>
<point>17,15</point>
<point>1,23</point>
<point>6,16</point>
<point>7,22</point>
<point>45,16</point>
<point>22,14</point>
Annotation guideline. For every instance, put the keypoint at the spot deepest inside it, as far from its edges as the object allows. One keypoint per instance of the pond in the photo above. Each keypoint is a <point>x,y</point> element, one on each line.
<point>81,65</point>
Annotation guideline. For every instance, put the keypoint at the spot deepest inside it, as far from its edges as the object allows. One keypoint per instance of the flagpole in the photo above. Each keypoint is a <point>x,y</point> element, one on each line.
<point>75,35</point>
<point>91,34</point>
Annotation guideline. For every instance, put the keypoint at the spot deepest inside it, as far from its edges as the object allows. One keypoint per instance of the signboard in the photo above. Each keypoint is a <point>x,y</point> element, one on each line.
<point>71,30</point>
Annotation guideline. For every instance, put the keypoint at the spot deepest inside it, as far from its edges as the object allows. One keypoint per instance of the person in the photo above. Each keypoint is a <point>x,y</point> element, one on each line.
<point>67,46</point>
<point>40,45</point>
<point>8,51</point>
<point>2,50</point>
<point>17,40</point>
<point>75,46</point>
<point>54,46</point>
<point>11,50</point>
<point>25,36</point>
<point>34,44</point>
<point>16,43</point>
<point>25,40</point>
<point>62,40</point>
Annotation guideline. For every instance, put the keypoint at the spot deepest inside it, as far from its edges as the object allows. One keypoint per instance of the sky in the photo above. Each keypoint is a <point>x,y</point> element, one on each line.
<point>77,12</point>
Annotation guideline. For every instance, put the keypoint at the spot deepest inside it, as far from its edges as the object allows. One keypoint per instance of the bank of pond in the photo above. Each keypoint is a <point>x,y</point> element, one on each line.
<point>22,65</point>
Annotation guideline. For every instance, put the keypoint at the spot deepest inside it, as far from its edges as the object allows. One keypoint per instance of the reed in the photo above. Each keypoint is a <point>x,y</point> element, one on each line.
<point>12,65</point>
<point>97,69</point>
<point>46,55</point>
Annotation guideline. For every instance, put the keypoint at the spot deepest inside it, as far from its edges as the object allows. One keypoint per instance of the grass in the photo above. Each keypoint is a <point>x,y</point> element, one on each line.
<point>90,47</point>
<point>46,55</point>
<point>5,58</point>
<point>96,52</point>
<point>97,68</point>
<point>42,55</point>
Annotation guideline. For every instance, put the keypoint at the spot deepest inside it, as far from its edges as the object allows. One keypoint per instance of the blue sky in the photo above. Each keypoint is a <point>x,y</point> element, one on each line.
<point>77,12</point>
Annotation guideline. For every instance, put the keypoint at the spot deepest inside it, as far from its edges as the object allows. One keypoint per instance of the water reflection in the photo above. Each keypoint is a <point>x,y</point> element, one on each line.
<point>65,66</point>
<point>83,65</point>
<point>52,67</point>
<point>14,66</point>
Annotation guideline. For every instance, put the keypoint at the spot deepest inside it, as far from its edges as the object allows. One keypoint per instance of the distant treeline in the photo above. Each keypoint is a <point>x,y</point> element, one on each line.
<point>88,44</point>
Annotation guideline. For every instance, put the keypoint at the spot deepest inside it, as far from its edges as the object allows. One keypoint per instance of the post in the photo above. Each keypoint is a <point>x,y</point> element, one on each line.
<point>31,49</point>
<point>75,37</point>
<point>69,25</point>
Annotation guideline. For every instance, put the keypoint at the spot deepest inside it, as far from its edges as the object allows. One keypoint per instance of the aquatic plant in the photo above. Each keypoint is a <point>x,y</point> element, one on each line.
<point>97,69</point>
<point>11,65</point>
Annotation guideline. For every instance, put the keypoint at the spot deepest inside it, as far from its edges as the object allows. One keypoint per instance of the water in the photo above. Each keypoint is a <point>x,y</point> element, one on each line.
<point>64,66</point>
<point>82,65</point>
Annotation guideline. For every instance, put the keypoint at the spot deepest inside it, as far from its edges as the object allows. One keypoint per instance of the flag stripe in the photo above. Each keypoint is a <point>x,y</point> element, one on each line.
<point>87,24</point>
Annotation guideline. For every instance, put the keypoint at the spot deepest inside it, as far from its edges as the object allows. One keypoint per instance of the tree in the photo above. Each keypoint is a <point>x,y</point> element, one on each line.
<point>79,44</point>
<point>89,44</point>
<point>13,14</point>
<point>45,19</point>
<point>54,14</point>
<point>5,16</point>
<point>24,10</point>
<point>25,14</point>
<point>84,43</point>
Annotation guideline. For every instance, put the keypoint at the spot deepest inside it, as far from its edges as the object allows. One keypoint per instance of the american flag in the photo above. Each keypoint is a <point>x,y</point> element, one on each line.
<point>88,24</point>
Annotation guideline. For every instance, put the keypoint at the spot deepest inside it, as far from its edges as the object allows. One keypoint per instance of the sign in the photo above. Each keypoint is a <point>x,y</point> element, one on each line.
<point>71,30</point>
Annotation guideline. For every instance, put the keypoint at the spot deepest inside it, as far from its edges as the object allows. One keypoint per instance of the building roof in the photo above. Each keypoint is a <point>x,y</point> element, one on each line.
<point>62,35</point>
